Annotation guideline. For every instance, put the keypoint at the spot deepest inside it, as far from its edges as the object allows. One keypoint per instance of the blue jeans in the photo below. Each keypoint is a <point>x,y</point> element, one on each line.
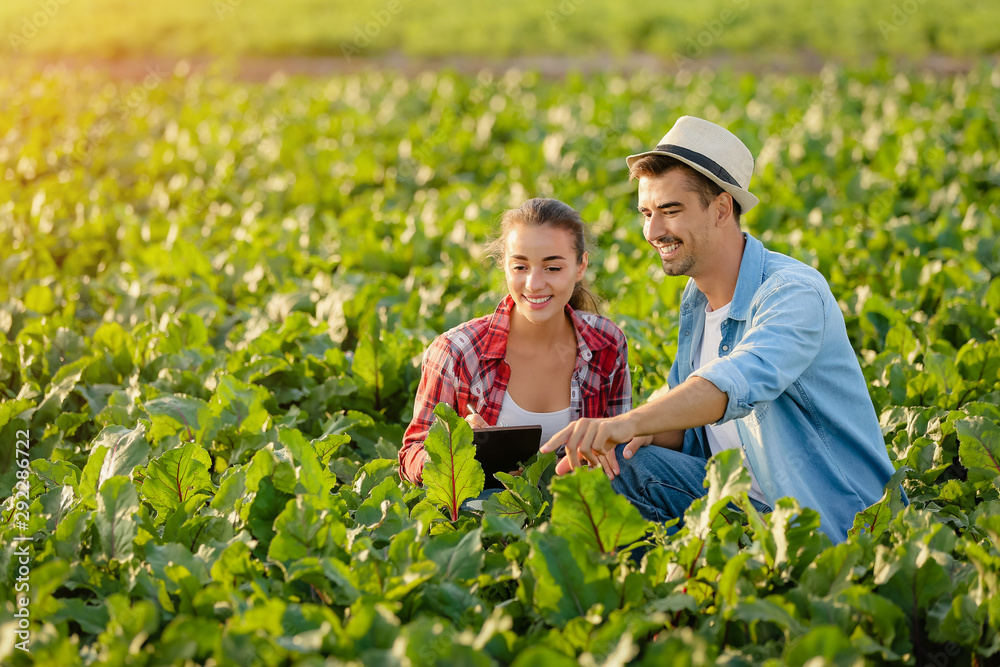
<point>662,483</point>
<point>476,504</point>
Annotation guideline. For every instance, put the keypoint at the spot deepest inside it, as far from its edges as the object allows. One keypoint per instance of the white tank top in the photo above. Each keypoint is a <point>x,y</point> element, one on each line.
<point>722,436</point>
<point>512,414</point>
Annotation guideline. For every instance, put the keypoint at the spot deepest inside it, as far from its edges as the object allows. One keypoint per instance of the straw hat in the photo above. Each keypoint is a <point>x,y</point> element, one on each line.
<point>710,150</point>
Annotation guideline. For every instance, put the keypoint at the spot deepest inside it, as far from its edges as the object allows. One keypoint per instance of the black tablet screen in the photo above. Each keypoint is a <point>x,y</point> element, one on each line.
<point>504,448</point>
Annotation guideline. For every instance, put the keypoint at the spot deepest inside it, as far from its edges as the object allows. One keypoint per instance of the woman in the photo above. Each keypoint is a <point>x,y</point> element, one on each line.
<point>541,358</point>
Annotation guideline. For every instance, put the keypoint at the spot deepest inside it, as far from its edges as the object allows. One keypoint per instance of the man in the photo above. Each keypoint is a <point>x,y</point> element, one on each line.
<point>763,360</point>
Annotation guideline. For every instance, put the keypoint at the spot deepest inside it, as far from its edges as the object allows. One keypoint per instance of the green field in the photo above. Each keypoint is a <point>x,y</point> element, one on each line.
<point>213,300</point>
<point>755,29</point>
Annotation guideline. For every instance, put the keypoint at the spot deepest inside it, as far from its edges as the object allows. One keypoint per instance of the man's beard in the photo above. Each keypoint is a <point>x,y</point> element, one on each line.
<point>677,268</point>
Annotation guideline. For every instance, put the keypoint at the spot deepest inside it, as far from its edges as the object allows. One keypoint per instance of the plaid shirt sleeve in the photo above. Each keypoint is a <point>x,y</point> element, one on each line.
<point>438,384</point>
<point>620,400</point>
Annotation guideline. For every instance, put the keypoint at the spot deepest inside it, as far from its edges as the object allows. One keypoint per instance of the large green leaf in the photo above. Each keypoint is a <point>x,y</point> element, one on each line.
<point>376,361</point>
<point>177,475</point>
<point>458,555</point>
<point>728,482</point>
<point>383,507</point>
<point>127,448</point>
<point>567,581</point>
<point>172,413</point>
<point>912,577</point>
<point>501,525</point>
<point>452,474</point>
<point>185,331</point>
<point>508,506</point>
<point>57,473</point>
<point>92,618</point>
<point>789,535</point>
<point>431,640</point>
<point>267,504</point>
<point>328,445</point>
<point>116,502</point>
<point>162,556</point>
<point>729,581</point>
<point>520,491</point>
<point>979,450</point>
<point>313,477</point>
<point>726,478</point>
<point>828,645</point>
<point>240,404</point>
<point>63,382</point>
<point>770,610</point>
<point>10,423</point>
<point>587,509</point>
<point>305,528</point>
<point>233,493</point>
<point>979,365</point>
<point>373,473</point>
<point>347,420</point>
<point>56,505</point>
<point>68,538</point>
<point>90,477</point>
<point>875,519</point>
<point>11,409</point>
<point>832,571</point>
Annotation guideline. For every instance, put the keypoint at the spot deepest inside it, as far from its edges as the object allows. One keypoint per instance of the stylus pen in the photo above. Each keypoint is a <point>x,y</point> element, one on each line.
<point>472,411</point>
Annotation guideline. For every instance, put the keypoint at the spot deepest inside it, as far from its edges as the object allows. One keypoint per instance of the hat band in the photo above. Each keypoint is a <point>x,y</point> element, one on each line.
<point>702,161</point>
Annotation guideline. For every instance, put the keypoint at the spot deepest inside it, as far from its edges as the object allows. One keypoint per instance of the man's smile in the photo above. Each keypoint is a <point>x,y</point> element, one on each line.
<point>669,249</point>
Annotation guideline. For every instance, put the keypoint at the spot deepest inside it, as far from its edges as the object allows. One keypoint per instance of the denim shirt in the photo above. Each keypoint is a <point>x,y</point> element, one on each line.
<point>795,388</point>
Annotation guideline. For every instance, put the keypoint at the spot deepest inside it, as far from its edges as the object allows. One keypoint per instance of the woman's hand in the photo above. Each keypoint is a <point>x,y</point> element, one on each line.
<point>475,421</point>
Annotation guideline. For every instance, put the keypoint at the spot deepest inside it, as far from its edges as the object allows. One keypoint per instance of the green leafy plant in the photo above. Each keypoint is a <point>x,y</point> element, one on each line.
<point>452,474</point>
<point>211,322</point>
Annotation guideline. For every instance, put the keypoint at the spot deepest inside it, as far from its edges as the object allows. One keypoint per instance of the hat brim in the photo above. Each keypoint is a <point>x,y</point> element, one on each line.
<point>744,198</point>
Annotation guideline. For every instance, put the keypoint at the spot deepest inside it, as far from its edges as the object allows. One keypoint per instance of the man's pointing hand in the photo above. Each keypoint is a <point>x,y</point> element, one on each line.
<point>591,442</point>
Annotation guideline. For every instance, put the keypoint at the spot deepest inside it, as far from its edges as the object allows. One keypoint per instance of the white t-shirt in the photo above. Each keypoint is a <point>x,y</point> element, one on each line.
<point>512,414</point>
<point>722,436</point>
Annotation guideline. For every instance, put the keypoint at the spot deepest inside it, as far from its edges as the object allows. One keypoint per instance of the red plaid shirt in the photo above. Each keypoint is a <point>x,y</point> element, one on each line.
<point>465,368</point>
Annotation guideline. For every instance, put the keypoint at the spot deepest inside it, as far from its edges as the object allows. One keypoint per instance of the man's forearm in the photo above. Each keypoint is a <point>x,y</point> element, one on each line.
<point>693,403</point>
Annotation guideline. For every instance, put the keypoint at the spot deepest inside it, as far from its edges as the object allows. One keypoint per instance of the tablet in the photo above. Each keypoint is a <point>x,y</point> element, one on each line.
<point>504,448</point>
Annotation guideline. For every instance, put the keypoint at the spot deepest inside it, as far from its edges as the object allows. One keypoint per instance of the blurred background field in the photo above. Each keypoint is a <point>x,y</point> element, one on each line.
<point>848,30</point>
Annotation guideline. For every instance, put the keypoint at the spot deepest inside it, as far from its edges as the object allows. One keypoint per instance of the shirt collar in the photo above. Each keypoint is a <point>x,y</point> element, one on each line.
<point>587,339</point>
<point>750,279</point>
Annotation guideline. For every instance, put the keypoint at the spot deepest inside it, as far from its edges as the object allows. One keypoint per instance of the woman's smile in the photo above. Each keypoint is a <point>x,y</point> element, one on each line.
<point>538,302</point>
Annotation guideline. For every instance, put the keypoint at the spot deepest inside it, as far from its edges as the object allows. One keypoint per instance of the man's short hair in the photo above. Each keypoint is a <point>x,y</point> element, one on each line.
<point>707,190</point>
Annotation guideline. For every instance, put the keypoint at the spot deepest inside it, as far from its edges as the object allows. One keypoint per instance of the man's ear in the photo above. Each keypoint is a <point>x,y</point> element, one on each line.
<point>724,202</point>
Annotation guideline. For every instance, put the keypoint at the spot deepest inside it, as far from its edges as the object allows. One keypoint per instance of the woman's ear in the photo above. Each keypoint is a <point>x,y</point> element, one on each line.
<point>582,267</point>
